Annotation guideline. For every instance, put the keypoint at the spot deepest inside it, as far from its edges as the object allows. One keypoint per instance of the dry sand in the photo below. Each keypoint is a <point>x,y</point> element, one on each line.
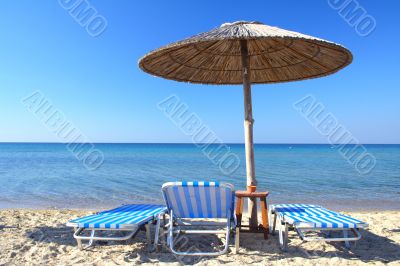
<point>40,237</point>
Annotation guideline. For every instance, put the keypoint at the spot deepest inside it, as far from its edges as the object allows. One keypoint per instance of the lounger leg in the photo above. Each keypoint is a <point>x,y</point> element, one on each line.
<point>91,238</point>
<point>170,235</point>
<point>283,235</point>
<point>237,237</point>
<point>79,242</point>
<point>286,236</point>
<point>148,234</point>
<point>280,235</point>
<point>227,236</point>
<point>356,233</point>
<point>274,225</point>
<point>346,235</point>
<point>157,233</point>
<point>270,221</point>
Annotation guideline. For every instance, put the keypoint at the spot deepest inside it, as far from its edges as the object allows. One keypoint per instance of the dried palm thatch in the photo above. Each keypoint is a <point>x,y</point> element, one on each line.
<point>276,55</point>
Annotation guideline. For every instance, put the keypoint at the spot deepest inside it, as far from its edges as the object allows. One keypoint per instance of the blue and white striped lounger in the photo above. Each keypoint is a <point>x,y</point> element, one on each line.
<point>128,218</point>
<point>313,218</point>
<point>192,200</point>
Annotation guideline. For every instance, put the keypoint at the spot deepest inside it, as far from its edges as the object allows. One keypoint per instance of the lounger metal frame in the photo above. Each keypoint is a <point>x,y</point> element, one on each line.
<point>176,227</point>
<point>130,229</point>
<point>284,226</point>
<point>79,237</point>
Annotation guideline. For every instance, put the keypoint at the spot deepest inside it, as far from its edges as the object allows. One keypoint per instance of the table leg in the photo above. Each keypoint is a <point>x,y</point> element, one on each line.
<point>264,214</point>
<point>239,211</point>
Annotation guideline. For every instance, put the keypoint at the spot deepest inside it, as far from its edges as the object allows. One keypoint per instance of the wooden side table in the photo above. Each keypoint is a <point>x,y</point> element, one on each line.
<point>262,196</point>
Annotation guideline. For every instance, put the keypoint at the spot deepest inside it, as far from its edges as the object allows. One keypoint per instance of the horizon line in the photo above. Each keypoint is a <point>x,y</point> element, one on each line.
<point>227,143</point>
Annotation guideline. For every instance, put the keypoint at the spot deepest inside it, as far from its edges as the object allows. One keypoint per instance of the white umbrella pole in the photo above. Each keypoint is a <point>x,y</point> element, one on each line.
<point>248,131</point>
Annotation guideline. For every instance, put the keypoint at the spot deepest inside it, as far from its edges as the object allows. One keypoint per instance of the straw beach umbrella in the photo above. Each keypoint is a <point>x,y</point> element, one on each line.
<point>246,53</point>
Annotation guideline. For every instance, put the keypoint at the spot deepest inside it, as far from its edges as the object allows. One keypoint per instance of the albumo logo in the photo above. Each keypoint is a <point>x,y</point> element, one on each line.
<point>355,15</point>
<point>86,15</point>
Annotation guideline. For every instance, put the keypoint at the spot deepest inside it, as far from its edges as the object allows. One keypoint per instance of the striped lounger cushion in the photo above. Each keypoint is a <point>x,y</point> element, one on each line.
<point>199,199</point>
<point>313,216</point>
<point>124,217</point>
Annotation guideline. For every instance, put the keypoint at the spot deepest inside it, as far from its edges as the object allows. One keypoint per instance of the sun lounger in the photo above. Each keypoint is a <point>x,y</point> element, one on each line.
<point>305,219</point>
<point>126,218</point>
<point>192,200</point>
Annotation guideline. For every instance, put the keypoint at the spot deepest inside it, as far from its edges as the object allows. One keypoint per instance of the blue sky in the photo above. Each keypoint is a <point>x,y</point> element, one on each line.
<point>96,83</point>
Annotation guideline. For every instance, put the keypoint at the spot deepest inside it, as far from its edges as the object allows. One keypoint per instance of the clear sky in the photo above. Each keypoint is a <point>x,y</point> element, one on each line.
<point>96,82</point>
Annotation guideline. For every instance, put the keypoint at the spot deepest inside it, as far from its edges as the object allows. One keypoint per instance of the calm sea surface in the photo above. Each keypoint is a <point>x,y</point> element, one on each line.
<point>48,175</point>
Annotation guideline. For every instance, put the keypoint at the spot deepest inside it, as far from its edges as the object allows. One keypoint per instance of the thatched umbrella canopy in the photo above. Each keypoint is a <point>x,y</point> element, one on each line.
<point>244,53</point>
<point>276,55</point>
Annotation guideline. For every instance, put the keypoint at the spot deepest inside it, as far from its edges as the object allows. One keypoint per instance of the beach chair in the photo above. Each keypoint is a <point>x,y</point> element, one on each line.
<point>306,219</point>
<point>127,219</point>
<point>189,201</point>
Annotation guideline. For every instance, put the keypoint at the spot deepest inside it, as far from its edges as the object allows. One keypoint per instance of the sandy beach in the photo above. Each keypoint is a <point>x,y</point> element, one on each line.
<point>33,237</point>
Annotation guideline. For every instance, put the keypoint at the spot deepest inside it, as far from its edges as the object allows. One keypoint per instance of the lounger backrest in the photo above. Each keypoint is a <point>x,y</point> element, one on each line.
<point>199,199</point>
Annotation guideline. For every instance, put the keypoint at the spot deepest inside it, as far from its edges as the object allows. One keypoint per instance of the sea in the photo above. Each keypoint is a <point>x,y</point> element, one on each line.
<point>50,175</point>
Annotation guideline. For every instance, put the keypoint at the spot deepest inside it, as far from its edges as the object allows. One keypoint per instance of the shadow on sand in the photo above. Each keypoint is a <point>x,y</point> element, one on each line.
<point>371,248</point>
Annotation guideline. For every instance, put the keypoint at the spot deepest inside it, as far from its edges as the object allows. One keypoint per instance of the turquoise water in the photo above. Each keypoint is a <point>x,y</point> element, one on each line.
<point>48,175</point>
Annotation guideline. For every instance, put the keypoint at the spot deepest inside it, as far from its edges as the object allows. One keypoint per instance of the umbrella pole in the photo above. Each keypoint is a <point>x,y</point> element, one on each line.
<point>248,131</point>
